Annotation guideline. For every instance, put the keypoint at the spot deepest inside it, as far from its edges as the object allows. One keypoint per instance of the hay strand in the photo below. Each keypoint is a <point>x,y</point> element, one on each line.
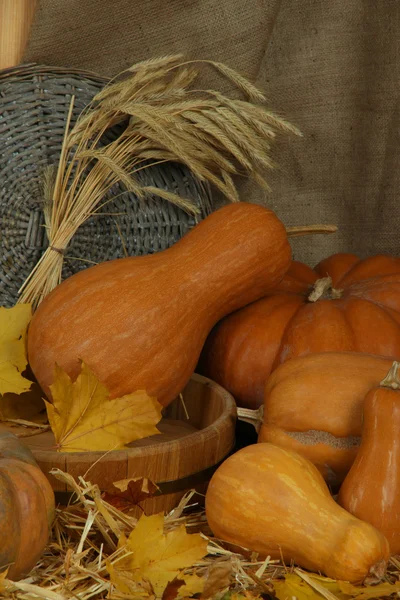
<point>300,230</point>
<point>86,540</point>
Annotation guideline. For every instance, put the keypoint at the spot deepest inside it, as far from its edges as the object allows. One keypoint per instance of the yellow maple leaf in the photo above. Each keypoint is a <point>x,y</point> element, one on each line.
<point>382,590</point>
<point>3,575</point>
<point>245,596</point>
<point>193,585</point>
<point>13,326</point>
<point>4,582</point>
<point>125,583</point>
<point>82,416</point>
<point>295,586</point>
<point>157,557</point>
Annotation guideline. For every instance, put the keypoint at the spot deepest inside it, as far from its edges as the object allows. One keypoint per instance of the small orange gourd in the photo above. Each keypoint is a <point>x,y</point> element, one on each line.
<point>313,405</point>
<point>345,304</point>
<point>26,508</point>
<point>371,490</point>
<point>275,502</point>
<point>140,322</point>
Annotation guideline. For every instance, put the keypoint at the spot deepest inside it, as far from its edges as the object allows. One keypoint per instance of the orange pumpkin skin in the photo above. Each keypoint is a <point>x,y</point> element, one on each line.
<point>359,311</point>
<point>26,508</point>
<point>371,490</point>
<point>140,322</point>
<point>313,405</point>
<point>275,502</point>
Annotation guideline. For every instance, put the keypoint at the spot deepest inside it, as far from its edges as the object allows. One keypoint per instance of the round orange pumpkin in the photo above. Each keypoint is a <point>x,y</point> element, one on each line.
<point>344,304</point>
<point>26,508</point>
<point>313,405</point>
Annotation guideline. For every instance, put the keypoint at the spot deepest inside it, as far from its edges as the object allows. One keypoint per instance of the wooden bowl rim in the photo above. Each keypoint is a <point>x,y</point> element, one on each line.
<point>230,410</point>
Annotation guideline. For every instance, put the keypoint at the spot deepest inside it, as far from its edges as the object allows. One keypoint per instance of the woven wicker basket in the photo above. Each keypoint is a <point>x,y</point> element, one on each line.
<point>34,104</point>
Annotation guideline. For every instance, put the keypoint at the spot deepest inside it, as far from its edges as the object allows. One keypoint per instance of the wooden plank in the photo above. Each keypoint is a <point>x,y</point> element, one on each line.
<point>16,17</point>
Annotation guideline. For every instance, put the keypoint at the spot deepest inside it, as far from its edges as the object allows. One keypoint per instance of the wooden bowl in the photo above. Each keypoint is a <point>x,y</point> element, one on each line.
<point>183,457</point>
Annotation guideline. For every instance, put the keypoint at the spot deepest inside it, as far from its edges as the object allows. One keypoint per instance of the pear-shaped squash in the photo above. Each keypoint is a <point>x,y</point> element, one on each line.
<point>275,502</point>
<point>371,490</point>
<point>313,405</point>
<point>345,304</point>
<point>26,508</point>
<point>140,322</point>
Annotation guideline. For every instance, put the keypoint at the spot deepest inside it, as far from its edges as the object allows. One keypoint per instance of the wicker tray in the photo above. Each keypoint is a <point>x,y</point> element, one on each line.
<point>34,103</point>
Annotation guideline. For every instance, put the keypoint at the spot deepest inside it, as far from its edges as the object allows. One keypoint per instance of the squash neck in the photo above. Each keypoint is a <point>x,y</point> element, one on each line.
<point>231,270</point>
<point>323,290</point>
<point>381,413</point>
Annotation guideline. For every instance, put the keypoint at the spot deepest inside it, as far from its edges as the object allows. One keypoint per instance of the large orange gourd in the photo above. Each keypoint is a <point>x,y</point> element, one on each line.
<point>275,502</point>
<point>371,490</point>
<point>313,405</point>
<point>344,304</point>
<point>26,508</point>
<point>140,322</point>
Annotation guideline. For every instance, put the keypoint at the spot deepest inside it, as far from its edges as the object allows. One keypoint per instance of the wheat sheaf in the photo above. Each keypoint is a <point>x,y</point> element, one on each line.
<point>166,119</point>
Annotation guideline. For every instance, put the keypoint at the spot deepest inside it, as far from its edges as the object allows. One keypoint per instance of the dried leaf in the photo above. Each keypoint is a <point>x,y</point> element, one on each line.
<point>218,578</point>
<point>28,406</point>
<point>128,493</point>
<point>13,326</point>
<point>381,590</point>
<point>159,558</point>
<point>245,596</point>
<point>347,591</point>
<point>172,590</point>
<point>294,586</point>
<point>83,417</point>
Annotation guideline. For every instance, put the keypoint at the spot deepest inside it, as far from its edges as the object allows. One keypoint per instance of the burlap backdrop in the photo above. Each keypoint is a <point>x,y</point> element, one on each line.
<point>331,67</point>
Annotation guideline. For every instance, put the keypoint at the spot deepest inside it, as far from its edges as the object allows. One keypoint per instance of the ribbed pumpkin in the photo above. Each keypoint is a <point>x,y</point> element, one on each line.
<point>275,502</point>
<point>313,404</point>
<point>26,508</point>
<point>140,322</point>
<point>344,304</point>
<point>371,490</point>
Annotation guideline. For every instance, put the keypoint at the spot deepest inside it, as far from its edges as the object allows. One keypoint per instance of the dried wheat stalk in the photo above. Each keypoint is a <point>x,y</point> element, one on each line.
<point>85,537</point>
<point>216,137</point>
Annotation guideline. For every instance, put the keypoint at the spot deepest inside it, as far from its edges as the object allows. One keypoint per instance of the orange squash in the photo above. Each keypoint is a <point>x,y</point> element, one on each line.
<point>371,490</point>
<point>313,405</point>
<point>275,502</point>
<point>344,304</point>
<point>140,322</point>
<point>26,508</point>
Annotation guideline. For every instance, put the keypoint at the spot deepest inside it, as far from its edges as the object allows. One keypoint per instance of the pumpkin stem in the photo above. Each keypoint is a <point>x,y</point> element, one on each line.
<point>254,417</point>
<point>323,289</point>
<point>392,379</point>
<point>376,573</point>
<point>321,286</point>
<point>310,230</point>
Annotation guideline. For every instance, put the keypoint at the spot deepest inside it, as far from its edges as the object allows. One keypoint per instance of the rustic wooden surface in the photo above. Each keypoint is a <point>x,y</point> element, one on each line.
<point>185,446</point>
<point>15,23</point>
